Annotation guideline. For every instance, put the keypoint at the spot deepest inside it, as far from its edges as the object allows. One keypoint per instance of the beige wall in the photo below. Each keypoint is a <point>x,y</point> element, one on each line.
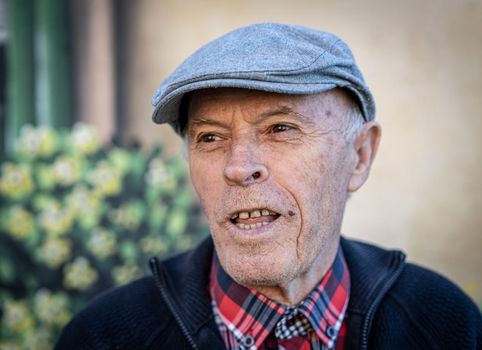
<point>423,61</point>
<point>92,25</point>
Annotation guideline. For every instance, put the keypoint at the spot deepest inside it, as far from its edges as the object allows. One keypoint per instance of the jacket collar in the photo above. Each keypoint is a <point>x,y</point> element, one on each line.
<point>370,268</point>
<point>185,279</point>
<point>373,272</point>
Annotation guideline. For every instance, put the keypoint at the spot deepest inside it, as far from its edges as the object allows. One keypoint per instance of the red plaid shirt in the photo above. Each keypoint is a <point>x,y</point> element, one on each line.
<point>247,319</point>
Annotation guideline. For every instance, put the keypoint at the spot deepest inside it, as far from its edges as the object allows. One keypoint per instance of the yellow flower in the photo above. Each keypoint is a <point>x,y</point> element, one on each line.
<point>38,339</point>
<point>79,274</point>
<point>54,252</point>
<point>82,200</point>
<point>157,172</point>
<point>184,243</point>
<point>10,345</point>
<point>16,316</point>
<point>85,206</point>
<point>153,245</point>
<point>177,223</point>
<point>55,220</point>
<point>19,222</point>
<point>85,139</point>
<point>129,215</point>
<point>51,308</point>
<point>125,273</point>
<point>16,180</point>
<point>101,243</point>
<point>42,201</point>
<point>106,179</point>
<point>67,170</point>
<point>121,159</point>
<point>34,142</point>
<point>44,174</point>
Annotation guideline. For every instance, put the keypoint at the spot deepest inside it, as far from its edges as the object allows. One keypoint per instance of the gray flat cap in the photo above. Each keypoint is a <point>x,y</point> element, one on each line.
<point>269,57</point>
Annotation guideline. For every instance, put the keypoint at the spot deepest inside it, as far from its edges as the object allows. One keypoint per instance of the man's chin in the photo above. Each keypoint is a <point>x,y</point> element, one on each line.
<point>258,272</point>
<point>259,281</point>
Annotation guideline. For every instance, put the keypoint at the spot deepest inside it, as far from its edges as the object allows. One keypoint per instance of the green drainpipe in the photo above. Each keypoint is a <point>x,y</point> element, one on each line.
<point>52,58</point>
<point>20,70</point>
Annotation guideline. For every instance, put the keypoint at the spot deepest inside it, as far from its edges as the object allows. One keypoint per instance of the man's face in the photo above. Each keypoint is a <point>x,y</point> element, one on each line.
<point>272,174</point>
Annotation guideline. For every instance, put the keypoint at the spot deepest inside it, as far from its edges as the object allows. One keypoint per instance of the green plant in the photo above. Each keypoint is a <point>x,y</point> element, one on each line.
<point>76,219</point>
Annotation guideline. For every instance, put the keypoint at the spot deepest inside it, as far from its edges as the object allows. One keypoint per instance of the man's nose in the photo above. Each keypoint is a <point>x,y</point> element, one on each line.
<point>245,166</point>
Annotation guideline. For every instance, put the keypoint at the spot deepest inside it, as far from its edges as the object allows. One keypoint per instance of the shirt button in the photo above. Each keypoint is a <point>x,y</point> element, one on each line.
<point>331,332</point>
<point>248,341</point>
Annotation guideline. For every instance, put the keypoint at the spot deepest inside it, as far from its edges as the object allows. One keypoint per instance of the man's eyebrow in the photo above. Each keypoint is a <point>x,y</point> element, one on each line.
<point>285,110</point>
<point>204,121</point>
<point>281,110</point>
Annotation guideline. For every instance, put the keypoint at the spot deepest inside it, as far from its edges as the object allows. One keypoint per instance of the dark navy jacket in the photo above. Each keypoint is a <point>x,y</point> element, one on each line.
<point>393,305</point>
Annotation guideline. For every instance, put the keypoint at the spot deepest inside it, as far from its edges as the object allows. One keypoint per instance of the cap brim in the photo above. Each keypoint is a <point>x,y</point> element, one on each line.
<point>168,111</point>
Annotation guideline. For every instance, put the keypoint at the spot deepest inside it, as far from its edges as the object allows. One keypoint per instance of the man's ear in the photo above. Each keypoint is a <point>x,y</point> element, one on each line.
<point>366,146</point>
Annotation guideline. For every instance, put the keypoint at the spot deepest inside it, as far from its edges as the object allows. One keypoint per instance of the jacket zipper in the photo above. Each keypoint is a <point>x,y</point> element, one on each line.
<point>371,311</point>
<point>153,262</point>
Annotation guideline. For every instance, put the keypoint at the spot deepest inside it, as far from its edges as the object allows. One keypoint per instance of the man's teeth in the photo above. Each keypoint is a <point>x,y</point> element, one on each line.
<point>252,214</point>
<point>244,215</point>
<point>257,213</point>
<point>252,226</point>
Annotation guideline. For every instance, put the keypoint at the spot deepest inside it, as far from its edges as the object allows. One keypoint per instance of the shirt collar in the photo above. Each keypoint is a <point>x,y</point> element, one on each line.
<point>248,313</point>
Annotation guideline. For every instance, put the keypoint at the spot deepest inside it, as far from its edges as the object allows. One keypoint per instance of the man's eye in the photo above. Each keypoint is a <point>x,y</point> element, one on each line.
<point>209,138</point>
<point>280,128</point>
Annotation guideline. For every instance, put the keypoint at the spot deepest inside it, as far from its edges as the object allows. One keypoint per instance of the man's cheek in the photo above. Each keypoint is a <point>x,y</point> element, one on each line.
<point>201,182</point>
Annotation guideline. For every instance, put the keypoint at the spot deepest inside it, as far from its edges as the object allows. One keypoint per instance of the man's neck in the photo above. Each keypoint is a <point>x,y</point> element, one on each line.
<point>295,291</point>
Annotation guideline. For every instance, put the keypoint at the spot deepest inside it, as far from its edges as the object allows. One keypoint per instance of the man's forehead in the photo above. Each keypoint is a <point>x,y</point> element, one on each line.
<point>201,101</point>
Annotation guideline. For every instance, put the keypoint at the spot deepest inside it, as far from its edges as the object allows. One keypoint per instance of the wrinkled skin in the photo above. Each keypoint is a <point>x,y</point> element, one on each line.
<point>250,150</point>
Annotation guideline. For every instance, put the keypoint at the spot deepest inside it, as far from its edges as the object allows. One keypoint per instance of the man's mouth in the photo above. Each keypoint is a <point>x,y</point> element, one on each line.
<point>249,220</point>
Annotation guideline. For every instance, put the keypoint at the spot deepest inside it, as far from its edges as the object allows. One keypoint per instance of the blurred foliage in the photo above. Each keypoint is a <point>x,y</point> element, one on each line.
<point>76,219</point>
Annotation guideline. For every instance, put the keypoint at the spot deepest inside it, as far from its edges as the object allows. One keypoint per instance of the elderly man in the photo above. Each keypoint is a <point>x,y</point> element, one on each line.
<point>279,126</point>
